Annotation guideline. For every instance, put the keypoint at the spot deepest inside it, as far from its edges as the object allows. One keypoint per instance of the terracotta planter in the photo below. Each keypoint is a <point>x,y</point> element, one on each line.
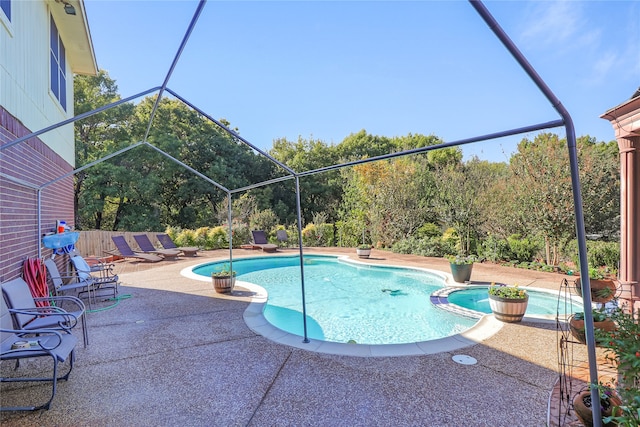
<point>582,407</point>
<point>363,253</point>
<point>601,290</point>
<point>509,310</point>
<point>223,284</point>
<point>461,272</point>
<point>577,328</point>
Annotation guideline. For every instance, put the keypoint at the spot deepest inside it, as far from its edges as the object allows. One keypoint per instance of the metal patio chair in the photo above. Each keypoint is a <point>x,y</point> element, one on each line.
<point>14,346</point>
<point>28,316</point>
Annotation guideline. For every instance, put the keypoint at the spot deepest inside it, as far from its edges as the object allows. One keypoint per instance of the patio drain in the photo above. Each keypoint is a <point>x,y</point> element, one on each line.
<point>463,359</point>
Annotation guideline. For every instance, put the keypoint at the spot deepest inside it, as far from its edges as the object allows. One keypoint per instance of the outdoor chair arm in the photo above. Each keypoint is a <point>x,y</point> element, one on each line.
<point>67,320</point>
<point>43,333</point>
<point>55,299</point>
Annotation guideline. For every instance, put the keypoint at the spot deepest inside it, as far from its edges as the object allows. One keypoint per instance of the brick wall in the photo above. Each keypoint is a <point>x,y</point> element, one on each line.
<point>31,162</point>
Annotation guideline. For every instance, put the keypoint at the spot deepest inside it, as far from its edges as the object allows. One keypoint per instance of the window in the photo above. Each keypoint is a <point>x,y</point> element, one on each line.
<point>58,66</point>
<point>5,5</point>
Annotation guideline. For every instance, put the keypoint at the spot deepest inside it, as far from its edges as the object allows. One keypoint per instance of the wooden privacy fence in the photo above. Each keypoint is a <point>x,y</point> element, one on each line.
<point>98,242</point>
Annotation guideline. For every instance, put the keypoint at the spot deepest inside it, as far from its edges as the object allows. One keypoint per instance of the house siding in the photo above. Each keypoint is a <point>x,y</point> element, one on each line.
<point>24,77</point>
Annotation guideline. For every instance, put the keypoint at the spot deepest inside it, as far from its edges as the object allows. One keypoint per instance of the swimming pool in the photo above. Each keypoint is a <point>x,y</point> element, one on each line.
<point>349,302</point>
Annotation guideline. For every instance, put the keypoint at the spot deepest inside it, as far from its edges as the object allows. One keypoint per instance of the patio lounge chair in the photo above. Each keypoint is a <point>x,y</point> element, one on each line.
<point>282,237</point>
<point>14,346</point>
<point>26,315</point>
<point>167,243</point>
<point>260,240</point>
<point>125,251</point>
<point>147,247</point>
<point>100,274</point>
<point>61,284</point>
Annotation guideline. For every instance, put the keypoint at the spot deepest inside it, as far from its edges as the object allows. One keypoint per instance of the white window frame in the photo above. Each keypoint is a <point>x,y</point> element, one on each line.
<point>58,65</point>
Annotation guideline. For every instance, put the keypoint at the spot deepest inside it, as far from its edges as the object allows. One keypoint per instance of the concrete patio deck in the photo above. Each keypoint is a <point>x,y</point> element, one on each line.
<point>175,353</point>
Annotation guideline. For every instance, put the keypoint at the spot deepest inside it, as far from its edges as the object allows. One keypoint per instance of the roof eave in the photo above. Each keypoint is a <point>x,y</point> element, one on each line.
<point>76,36</point>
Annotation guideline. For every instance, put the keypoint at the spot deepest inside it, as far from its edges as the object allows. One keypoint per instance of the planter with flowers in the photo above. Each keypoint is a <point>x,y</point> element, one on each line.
<point>601,322</point>
<point>461,267</point>
<point>363,251</point>
<point>609,406</point>
<point>508,303</point>
<point>224,280</point>
<point>602,284</point>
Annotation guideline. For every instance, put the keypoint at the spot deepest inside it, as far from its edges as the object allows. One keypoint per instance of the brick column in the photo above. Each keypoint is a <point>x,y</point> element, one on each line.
<point>629,221</point>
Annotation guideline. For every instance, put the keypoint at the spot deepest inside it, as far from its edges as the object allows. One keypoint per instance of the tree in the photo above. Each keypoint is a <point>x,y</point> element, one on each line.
<point>363,145</point>
<point>458,197</point>
<point>600,181</point>
<point>95,137</point>
<point>541,178</point>
<point>320,192</point>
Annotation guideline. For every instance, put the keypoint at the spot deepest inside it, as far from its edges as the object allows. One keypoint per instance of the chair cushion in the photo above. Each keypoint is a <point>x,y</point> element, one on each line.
<point>82,268</point>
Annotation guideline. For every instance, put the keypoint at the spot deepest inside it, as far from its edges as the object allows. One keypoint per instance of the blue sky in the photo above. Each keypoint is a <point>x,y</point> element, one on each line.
<point>327,69</point>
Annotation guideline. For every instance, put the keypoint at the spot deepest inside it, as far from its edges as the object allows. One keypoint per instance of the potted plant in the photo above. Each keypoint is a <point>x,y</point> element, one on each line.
<point>224,280</point>
<point>508,303</point>
<point>363,251</point>
<point>601,322</point>
<point>609,406</point>
<point>461,267</point>
<point>603,286</point>
<point>623,352</point>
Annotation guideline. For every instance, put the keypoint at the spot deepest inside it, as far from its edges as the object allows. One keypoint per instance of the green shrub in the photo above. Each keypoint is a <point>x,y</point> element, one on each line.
<point>318,235</point>
<point>241,235</point>
<point>429,230</point>
<point>263,220</point>
<point>599,253</point>
<point>522,249</point>
<point>348,233</point>
<point>432,247</point>
<point>200,237</point>
<point>603,254</point>
<point>186,238</point>
<point>217,238</point>
<point>495,249</point>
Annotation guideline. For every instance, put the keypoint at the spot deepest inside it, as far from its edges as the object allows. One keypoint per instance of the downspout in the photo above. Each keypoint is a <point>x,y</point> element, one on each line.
<point>39,202</point>
<point>577,198</point>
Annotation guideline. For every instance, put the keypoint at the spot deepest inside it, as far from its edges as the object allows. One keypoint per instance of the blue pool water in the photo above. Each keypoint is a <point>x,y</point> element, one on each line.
<point>349,302</point>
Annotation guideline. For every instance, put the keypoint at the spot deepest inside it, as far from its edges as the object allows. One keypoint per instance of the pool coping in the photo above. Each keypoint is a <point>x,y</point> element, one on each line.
<point>484,328</point>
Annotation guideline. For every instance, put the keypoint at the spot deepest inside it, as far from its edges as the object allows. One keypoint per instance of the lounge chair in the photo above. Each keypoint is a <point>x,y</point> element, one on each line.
<point>167,243</point>
<point>100,274</point>
<point>282,237</point>
<point>147,247</point>
<point>125,251</point>
<point>62,284</point>
<point>28,316</point>
<point>15,346</point>
<point>260,240</point>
